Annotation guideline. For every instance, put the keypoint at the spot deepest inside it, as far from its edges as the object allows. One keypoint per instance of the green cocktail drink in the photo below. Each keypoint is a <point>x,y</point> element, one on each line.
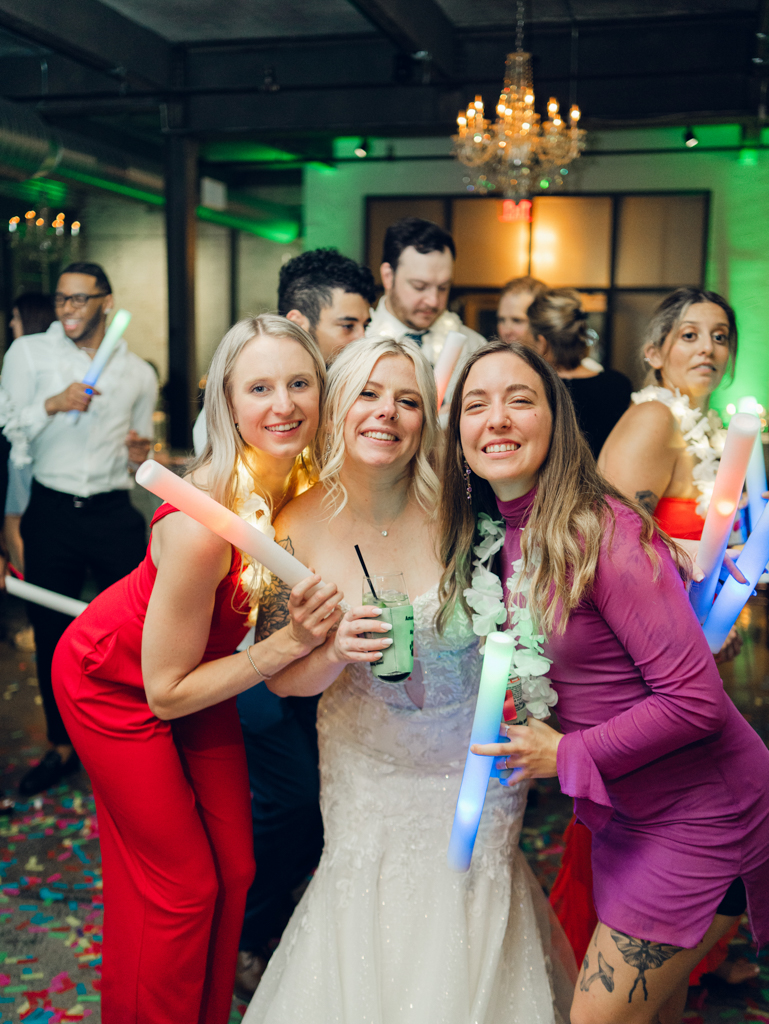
<point>397,661</point>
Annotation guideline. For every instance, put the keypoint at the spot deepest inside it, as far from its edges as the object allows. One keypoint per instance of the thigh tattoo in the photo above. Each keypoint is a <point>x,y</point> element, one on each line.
<point>605,972</point>
<point>643,955</point>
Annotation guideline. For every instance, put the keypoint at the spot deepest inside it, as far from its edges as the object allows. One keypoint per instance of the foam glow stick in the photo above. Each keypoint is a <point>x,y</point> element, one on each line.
<point>486,723</point>
<point>740,438</point>
<point>755,480</point>
<point>733,596</point>
<point>109,342</point>
<point>447,361</point>
<point>220,520</point>
<point>46,598</point>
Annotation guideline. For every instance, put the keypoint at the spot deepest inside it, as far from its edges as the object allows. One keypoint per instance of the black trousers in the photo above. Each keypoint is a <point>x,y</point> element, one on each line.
<point>282,752</point>
<point>64,538</point>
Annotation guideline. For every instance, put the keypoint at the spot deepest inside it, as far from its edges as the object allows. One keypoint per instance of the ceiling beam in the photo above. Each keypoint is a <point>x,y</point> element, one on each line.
<point>416,27</point>
<point>93,34</point>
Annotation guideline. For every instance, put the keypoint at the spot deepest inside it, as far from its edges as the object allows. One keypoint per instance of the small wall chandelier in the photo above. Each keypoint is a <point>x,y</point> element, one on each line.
<point>517,154</point>
<point>42,239</point>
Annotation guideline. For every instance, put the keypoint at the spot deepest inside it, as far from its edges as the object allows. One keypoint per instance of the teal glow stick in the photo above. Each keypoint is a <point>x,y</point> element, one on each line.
<point>112,336</point>
<point>475,779</point>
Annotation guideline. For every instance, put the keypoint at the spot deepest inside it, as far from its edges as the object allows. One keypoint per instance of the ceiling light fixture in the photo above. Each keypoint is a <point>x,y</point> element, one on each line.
<point>517,155</point>
<point>690,139</point>
<point>361,150</point>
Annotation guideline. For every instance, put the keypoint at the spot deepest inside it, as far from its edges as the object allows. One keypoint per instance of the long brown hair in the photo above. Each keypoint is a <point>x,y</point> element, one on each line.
<point>561,544</point>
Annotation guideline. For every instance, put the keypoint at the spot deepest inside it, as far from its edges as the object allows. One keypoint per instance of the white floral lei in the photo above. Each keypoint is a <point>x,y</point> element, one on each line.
<point>704,437</point>
<point>485,597</point>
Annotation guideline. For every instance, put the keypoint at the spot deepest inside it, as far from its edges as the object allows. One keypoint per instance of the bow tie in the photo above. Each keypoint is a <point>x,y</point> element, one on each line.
<point>415,337</point>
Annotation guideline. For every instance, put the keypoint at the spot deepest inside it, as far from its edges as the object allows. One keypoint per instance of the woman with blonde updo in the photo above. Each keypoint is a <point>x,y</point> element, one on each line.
<point>561,335</point>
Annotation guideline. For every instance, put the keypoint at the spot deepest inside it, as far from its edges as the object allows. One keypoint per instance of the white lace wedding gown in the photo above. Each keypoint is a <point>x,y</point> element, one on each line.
<point>386,932</point>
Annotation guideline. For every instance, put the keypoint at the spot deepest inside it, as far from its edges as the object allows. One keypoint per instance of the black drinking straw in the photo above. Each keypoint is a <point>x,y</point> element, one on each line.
<point>365,571</point>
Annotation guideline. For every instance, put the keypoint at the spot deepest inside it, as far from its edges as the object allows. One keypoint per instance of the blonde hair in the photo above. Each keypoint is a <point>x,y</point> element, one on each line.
<point>348,375</point>
<point>226,455</point>
<point>569,516</point>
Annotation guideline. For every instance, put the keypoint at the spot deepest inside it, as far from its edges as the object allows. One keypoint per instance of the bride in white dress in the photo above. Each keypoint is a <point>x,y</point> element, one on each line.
<point>386,932</point>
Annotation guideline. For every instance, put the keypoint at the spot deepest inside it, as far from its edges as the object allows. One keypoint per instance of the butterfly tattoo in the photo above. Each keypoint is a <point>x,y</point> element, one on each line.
<point>643,955</point>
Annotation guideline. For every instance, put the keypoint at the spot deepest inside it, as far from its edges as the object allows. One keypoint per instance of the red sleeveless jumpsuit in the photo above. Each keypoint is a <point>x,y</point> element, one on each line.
<point>572,894</point>
<point>173,806</point>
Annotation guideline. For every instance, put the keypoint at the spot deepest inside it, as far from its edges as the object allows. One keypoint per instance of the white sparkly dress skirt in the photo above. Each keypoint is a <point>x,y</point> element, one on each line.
<point>386,932</point>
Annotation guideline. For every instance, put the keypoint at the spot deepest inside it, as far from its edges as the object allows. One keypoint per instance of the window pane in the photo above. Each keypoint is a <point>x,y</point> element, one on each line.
<point>489,251</point>
<point>384,212</point>
<point>631,314</point>
<point>660,241</point>
<point>571,241</point>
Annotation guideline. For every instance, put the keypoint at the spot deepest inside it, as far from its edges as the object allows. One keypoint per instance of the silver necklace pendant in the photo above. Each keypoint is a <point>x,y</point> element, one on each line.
<point>384,533</point>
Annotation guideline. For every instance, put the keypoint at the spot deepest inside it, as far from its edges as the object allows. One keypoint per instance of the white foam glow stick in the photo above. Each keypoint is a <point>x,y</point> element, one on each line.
<point>46,598</point>
<point>112,336</point>
<point>730,602</point>
<point>221,521</point>
<point>727,490</point>
<point>475,780</point>
<point>447,361</point>
<point>755,480</point>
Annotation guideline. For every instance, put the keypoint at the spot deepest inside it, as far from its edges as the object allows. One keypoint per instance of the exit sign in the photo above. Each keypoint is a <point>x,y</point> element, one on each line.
<point>512,211</point>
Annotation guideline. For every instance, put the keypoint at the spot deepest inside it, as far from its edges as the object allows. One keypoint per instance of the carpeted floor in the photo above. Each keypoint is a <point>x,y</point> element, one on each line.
<point>50,869</point>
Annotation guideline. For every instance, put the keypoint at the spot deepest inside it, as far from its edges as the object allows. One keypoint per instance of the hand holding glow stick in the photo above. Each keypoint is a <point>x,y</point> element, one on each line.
<point>108,345</point>
<point>733,597</point>
<point>46,598</point>
<point>740,439</point>
<point>475,780</point>
<point>221,521</point>
<point>447,361</point>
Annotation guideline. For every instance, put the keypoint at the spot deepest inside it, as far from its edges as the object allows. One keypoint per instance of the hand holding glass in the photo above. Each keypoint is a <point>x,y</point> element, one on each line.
<point>397,661</point>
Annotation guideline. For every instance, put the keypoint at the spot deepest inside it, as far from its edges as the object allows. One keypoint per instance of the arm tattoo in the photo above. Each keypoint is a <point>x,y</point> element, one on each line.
<point>648,499</point>
<point>643,955</point>
<point>605,972</point>
<point>273,604</point>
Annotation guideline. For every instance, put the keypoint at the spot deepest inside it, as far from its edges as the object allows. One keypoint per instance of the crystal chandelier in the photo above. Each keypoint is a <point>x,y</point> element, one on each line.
<point>517,154</point>
<point>42,239</point>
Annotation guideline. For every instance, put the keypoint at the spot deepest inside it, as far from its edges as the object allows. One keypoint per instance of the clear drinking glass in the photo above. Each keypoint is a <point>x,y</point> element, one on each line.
<point>397,661</point>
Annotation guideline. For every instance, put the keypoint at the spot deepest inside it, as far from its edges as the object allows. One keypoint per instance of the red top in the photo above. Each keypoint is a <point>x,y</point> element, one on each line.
<point>679,517</point>
<point>109,632</point>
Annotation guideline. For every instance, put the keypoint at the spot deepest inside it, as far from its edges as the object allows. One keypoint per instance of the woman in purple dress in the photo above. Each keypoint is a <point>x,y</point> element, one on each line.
<point>671,780</point>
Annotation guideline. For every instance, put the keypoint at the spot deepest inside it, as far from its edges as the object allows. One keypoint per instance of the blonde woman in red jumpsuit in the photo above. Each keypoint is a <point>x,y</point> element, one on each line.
<point>146,681</point>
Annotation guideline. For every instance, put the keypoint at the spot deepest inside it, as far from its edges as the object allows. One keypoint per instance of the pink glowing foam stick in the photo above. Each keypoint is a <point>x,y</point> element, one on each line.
<point>221,521</point>
<point>447,361</point>
<point>740,439</point>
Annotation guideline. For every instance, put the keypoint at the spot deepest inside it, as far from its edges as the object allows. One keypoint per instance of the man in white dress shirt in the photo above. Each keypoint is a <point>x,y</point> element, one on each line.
<point>417,269</point>
<point>79,517</point>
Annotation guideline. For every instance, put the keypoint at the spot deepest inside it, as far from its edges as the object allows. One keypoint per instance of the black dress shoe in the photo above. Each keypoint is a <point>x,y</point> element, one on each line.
<point>51,770</point>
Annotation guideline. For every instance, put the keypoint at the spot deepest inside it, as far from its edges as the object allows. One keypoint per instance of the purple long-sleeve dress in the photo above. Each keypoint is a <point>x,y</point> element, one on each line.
<point>669,777</point>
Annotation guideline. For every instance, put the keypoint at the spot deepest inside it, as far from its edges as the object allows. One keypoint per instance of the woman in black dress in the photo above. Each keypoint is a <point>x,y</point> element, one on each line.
<point>559,328</point>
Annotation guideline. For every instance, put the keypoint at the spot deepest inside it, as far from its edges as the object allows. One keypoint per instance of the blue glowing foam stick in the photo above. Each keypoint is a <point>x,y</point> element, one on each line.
<point>475,780</point>
<point>108,345</point>
<point>730,602</point>
<point>740,438</point>
<point>756,483</point>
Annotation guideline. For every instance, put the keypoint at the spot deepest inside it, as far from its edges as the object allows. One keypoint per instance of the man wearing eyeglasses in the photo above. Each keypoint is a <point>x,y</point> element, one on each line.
<point>80,519</point>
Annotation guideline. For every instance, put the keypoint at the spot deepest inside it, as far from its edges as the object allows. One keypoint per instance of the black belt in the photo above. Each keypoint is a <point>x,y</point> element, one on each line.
<point>90,501</point>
